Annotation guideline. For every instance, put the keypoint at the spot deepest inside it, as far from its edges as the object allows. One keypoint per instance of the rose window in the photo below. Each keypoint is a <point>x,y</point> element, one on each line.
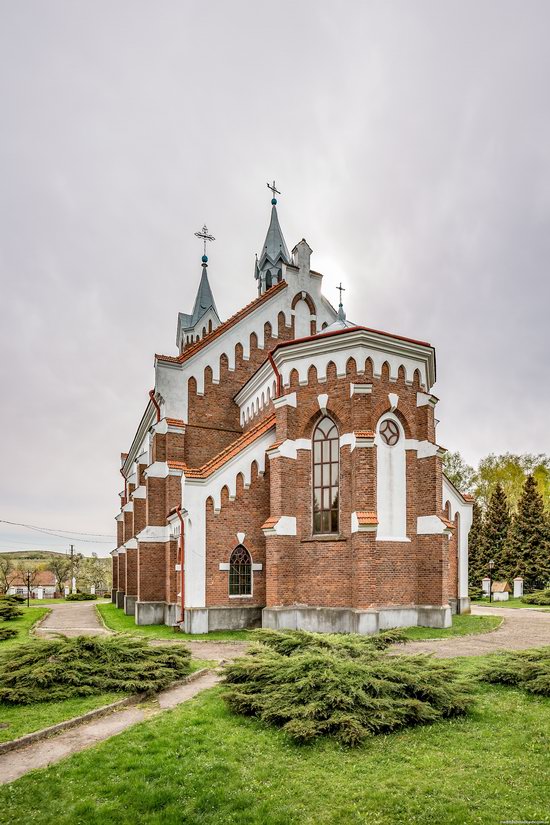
<point>389,432</point>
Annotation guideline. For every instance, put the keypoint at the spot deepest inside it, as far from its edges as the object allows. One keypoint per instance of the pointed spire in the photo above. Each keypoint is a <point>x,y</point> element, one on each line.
<point>341,314</point>
<point>190,328</point>
<point>205,299</point>
<point>274,251</point>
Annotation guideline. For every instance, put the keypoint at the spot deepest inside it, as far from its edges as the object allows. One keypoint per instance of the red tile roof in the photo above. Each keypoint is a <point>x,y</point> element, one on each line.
<point>271,522</point>
<point>365,433</point>
<point>242,313</point>
<point>367,518</point>
<point>232,450</point>
<point>43,578</point>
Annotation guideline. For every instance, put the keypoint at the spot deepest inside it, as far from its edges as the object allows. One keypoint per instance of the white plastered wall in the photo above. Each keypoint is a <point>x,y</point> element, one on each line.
<point>391,485</point>
<point>465,510</point>
<point>194,495</point>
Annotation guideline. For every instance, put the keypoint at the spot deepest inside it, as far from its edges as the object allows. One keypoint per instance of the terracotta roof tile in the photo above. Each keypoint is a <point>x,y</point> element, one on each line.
<point>232,450</point>
<point>176,465</point>
<point>271,522</point>
<point>242,313</point>
<point>367,518</point>
<point>42,578</point>
<point>365,433</point>
<point>447,522</point>
<point>177,422</point>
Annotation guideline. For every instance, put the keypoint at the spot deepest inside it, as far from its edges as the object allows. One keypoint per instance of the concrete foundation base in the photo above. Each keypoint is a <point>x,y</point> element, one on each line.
<point>460,606</point>
<point>113,596</point>
<point>149,612</point>
<point>464,605</point>
<point>349,620</point>
<point>207,619</point>
<point>120,599</point>
<point>155,612</point>
<point>130,605</point>
<point>171,614</point>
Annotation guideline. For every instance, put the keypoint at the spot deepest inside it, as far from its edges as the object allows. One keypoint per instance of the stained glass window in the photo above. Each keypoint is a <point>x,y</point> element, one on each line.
<point>326,477</point>
<point>240,572</point>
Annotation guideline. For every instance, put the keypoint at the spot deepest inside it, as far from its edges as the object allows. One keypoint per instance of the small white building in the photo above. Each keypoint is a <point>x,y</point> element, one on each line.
<point>500,591</point>
<point>42,587</point>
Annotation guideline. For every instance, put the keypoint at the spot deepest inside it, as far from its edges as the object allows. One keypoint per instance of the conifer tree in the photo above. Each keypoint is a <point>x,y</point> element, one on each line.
<point>495,533</point>
<point>528,546</point>
<point>476,570</point>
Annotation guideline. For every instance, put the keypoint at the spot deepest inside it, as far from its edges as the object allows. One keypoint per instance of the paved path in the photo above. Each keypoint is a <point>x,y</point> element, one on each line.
<point>71,619</point>
<point>14,764</point>
<point>521,629</point>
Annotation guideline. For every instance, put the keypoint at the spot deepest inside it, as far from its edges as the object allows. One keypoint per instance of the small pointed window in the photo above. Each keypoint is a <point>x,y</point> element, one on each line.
<point>326,477</point>
<point>240,572</point>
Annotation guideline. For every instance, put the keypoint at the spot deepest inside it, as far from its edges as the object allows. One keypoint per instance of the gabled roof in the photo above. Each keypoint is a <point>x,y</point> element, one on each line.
<point>242,313</point>
<point>232,450</point>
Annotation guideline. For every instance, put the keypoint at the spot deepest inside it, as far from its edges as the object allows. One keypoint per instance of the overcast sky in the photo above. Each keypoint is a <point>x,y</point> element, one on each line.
<point>411,143</point>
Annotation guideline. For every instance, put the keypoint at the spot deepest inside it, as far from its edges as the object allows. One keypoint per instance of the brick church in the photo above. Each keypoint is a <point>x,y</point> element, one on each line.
<point>286,471</point>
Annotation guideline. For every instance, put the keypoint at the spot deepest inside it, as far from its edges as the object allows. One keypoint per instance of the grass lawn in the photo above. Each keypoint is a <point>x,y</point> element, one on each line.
<point>462,626</point>
<point>510,603</point>
<point>116,619</point>
<point>201,764</point>
<point>21,719</point>
<point>23,625</point>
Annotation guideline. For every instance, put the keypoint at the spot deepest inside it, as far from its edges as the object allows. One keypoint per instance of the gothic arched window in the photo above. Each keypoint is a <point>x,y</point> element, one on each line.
<point>326,477</point>
<point>240,572</point>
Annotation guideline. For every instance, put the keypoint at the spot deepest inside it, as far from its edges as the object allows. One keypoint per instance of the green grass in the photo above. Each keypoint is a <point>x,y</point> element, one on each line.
<point>29,718</point>
<point>117,620</point>
<point>23,625</point>
<point>462,626</point>
<point>201,764</point>
<point>510,603</point>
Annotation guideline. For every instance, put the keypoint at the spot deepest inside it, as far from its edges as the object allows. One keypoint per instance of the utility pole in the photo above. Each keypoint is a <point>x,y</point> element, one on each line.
<point>73,582</point>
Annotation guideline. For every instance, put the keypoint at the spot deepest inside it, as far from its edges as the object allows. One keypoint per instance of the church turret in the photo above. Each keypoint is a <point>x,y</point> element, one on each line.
<point>274,253</point>
<point>204,317</point>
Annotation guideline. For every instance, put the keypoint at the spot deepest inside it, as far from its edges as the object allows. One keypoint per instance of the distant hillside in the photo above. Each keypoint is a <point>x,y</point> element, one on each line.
<point>32,555</point>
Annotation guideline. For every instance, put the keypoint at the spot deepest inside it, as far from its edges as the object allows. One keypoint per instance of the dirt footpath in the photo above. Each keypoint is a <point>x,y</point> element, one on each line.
<point>71,619</point>
<point>520,629</point>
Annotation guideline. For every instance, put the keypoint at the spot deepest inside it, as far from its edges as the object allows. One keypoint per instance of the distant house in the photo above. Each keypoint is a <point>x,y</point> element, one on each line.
<point>501,591</point>
<point>43,586</point>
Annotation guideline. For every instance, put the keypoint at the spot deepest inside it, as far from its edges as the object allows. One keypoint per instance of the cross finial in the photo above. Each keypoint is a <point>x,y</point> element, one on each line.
<point>205,236</point>
<point>274,191</point>
<point>340,289</point>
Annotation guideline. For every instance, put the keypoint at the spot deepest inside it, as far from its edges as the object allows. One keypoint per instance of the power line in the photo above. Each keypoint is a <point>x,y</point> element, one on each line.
<point>50,532</point>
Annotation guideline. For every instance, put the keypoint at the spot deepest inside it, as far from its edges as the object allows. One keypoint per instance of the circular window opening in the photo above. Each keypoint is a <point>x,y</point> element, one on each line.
<point>389,432</point>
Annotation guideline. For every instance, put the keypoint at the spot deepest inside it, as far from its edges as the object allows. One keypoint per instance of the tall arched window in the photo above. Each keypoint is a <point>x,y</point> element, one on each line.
<point>326,477</point>
<point>240,572</point>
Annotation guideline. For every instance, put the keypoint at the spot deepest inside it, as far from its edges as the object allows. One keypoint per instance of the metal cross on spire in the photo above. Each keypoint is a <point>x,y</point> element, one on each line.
<point>340,289</point>
<point>205,236</point>
<point>274,192</point>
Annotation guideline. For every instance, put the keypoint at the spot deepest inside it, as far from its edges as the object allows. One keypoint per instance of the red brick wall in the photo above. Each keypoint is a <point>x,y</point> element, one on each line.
<point>245,514</point>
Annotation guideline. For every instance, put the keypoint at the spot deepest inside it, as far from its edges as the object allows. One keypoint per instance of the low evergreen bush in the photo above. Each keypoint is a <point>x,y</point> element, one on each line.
<point>352,644</point>
<point>539,597</point>
<point>339,692</point>
<point>80,597</point>
<point>15,598</point>
<point>526,669</point>
<point>9,610</point>
<point>47,670</point>
<point>7,633</point>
